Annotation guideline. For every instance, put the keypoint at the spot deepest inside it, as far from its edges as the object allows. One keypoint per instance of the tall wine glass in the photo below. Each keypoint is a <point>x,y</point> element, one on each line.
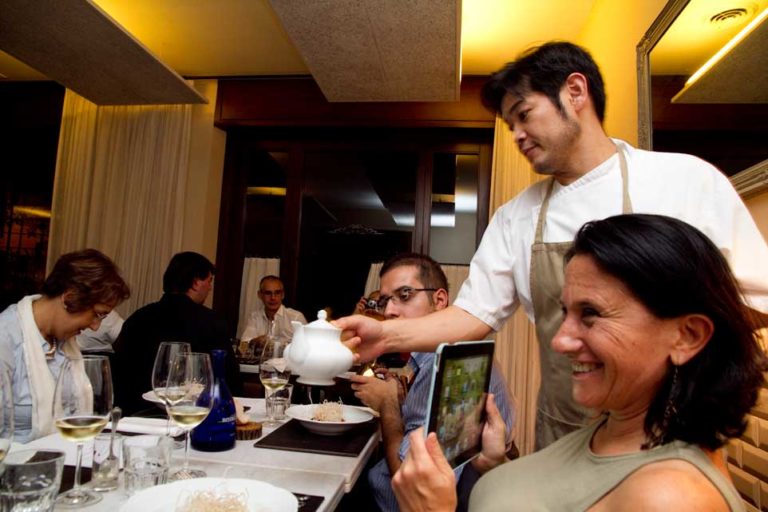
<point>81,406</point>
<point>6,412</point>
<point>166,353</point>
<point>273,373</point>
<point>191,373</point>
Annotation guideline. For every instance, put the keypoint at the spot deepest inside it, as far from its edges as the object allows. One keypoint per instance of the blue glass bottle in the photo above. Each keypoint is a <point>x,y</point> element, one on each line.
<point>217,432</point>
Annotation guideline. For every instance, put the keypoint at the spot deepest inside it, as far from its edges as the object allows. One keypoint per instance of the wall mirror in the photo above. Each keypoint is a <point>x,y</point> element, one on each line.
<point>722,116</point>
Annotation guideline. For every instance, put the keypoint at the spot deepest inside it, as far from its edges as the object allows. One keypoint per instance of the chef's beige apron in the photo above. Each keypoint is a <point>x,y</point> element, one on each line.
<point>557,414</point>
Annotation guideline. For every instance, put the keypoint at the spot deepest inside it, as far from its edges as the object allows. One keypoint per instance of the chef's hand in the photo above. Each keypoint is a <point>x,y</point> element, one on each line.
<point>363,335</point>
<point>425,480</point>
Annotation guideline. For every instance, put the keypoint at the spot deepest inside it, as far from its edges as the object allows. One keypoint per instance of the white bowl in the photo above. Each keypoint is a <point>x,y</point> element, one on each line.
<point>261,495</point>
<point>353,416</point>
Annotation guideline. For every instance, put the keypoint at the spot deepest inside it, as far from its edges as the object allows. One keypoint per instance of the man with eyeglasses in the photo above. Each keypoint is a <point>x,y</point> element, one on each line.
<point>412,286</point>
<point>274,318</point>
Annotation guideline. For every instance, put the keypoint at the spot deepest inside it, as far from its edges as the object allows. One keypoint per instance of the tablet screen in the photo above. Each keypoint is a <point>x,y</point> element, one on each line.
<point>459,390</point>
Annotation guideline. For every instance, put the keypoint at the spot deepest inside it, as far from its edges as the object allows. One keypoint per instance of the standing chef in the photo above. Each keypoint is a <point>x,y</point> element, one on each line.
<point>553,99</point>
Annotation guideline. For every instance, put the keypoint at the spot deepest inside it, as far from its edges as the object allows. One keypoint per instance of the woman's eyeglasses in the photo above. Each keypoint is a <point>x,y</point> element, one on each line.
<point>401,296</point>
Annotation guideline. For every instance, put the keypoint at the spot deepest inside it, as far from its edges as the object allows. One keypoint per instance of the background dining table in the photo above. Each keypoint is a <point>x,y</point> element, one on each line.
<point>324,475</point>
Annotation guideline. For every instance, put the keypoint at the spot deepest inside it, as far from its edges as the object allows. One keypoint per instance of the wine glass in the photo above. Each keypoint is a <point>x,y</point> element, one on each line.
<point>6,412</point>
<point>273,373</point>
<point>191,377</point>
<point>166,352</point>
<point>82,402</point>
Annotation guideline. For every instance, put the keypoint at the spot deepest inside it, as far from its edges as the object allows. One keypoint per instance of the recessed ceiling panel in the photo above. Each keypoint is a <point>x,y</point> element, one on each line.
<point>378,50</point>
<point>76,44</point>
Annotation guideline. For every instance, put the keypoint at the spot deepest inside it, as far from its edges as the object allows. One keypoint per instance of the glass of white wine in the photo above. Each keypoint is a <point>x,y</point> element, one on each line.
<point>166,353</point>
<point>6,412</point>
<point>273,373</point>
<point>81,406</point>
<point>191,378</point>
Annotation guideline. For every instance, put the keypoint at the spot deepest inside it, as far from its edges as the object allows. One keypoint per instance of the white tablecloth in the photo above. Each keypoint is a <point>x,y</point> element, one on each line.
<point>329,476</point>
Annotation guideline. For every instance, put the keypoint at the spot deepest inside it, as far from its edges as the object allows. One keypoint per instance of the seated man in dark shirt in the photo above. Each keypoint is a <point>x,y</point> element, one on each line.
<point>178,316</point>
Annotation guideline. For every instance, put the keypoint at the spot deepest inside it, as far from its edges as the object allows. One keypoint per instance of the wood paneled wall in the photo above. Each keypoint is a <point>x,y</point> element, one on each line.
<point>299,102</point>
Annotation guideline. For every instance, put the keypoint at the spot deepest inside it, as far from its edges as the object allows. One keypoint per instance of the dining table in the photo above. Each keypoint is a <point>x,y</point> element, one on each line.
<point>318,469</point>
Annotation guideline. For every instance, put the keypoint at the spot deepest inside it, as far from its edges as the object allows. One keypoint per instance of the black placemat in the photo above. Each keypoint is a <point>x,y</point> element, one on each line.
<point>68,477</point>
<point>308,503</point>
<point>293,437</point>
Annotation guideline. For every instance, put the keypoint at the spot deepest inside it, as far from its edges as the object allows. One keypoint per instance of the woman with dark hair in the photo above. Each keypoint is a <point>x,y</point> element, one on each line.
<point>37,334</point>
<point>662,345</point>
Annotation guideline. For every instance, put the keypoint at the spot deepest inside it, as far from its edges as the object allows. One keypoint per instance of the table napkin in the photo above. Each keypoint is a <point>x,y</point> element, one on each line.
<point>136,425</point>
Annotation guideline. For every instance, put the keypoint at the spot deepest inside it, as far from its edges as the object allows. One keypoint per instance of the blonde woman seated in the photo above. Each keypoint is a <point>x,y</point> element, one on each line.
<point>38,333</point>
<point>660,342</point>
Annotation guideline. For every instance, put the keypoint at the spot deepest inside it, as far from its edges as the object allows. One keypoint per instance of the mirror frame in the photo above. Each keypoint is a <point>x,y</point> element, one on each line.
<point>748,182</point>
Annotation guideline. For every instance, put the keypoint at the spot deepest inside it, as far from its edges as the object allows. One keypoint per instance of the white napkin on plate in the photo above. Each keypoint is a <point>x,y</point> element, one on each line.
<point>155,426</point>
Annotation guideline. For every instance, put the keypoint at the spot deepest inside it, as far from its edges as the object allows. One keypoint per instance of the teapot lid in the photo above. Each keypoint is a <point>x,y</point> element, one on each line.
<point>322,323</point>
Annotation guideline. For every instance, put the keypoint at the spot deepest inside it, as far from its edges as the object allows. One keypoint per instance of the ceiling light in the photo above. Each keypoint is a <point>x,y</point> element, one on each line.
<point>265,191</point>
<point>32,211</point>
<point>744,32</point>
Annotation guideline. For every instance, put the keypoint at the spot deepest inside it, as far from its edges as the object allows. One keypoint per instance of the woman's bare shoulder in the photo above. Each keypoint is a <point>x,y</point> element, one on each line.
<point>665,485</point>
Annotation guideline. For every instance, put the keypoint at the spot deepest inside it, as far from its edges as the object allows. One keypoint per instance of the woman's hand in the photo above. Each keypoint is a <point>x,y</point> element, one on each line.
<point>425,480</point>
<point>494,439</point>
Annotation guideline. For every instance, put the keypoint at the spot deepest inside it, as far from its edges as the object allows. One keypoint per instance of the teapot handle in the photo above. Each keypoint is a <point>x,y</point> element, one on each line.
<point>299,346</point>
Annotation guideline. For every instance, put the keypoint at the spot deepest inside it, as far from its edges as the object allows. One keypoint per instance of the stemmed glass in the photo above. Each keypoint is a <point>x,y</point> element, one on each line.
<point>273,373</point>
<point>6,412</point>
<point>82,402</point>
<point>191,376</point>
<point>166,353</point>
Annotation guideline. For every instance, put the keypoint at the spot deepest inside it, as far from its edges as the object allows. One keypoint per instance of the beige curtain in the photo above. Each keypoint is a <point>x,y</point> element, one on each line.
<point>253,270</point>
<point>373,282</point>
<point>516,345</point>
<point>120,179</point>
<point>456,274</point>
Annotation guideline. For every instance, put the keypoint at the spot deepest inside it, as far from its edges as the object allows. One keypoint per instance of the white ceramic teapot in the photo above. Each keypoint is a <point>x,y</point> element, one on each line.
<point>316,353</point>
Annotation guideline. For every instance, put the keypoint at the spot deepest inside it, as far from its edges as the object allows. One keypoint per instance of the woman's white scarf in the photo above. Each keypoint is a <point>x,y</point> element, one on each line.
<point>41,383</point>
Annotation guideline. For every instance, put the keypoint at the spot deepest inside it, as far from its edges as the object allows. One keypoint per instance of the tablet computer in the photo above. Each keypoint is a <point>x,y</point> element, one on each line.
<point>456,409</point>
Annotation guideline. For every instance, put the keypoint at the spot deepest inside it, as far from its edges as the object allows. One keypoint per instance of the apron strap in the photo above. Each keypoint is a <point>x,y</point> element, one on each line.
<point>626,202</point>
<point>538,237</point>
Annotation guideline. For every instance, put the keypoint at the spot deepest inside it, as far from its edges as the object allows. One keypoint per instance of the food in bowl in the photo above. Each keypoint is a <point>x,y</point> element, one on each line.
<point>329,411</point>
<point>213,500</point>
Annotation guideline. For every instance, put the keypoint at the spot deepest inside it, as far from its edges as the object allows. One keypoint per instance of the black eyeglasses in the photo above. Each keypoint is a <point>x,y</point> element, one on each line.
<point>401,296</point>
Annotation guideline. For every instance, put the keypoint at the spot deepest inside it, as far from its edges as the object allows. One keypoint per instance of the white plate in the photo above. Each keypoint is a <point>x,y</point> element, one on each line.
<point>164,498</point>
<point>150,396</point>
<point>353,416</point>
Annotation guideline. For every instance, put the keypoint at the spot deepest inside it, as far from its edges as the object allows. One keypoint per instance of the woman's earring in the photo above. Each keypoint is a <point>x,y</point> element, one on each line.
<point>670,410</point>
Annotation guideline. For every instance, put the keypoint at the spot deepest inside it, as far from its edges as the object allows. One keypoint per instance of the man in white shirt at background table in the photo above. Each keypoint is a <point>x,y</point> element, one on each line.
<point>274,319</point>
